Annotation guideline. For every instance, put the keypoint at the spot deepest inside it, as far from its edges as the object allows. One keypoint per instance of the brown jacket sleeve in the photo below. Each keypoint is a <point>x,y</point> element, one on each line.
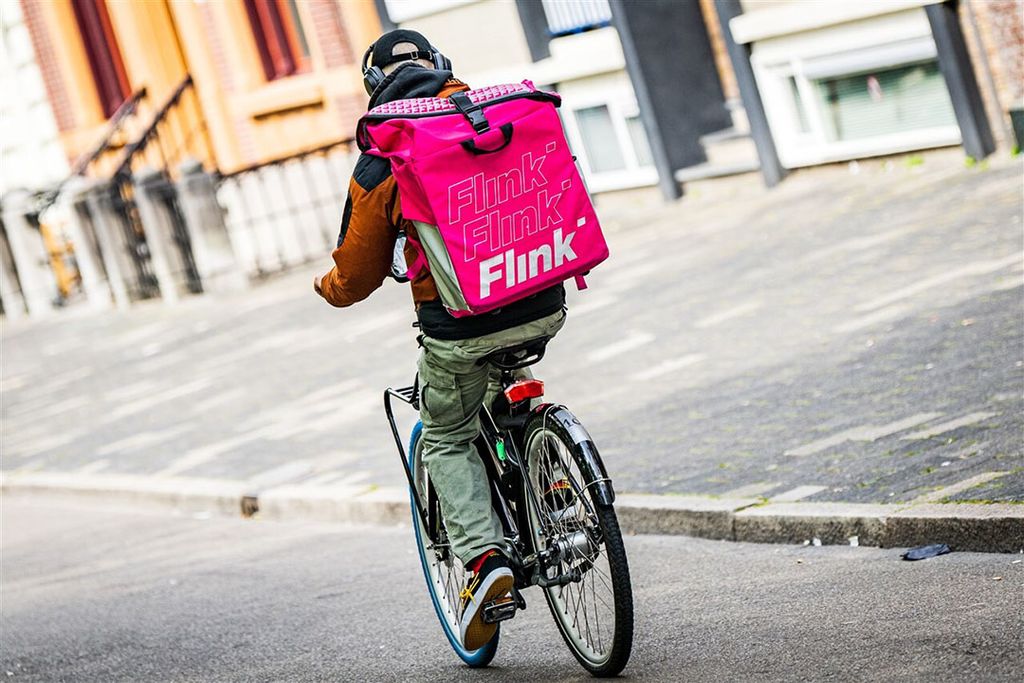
<point>368,233</point>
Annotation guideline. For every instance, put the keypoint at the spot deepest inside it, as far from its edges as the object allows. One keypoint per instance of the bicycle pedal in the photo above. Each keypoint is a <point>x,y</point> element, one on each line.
<point>499,610</point>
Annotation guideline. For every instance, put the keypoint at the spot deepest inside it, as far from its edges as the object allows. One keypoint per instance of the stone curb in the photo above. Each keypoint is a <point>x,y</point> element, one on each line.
<point>967,527</point>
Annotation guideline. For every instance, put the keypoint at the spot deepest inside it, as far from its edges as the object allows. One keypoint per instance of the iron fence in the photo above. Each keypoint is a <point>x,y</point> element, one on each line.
<point>287,211</point>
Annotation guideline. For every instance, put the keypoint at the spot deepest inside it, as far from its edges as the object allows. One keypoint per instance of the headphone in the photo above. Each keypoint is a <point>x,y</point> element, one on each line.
<point>373,75</point>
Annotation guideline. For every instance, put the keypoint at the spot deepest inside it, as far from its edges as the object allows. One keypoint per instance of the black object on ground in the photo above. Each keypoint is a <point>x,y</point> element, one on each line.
<point>925,551</point>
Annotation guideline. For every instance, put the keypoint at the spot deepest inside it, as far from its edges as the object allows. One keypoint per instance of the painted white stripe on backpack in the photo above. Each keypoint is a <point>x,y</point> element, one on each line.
<point>633,341</point>
<point>668,366</point>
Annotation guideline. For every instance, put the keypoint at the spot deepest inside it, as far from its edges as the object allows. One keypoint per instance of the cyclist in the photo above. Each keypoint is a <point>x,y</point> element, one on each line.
<point>452,385</point>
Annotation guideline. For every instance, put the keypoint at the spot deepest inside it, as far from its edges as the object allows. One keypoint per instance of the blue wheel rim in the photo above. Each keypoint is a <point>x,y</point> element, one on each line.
<point>471,657</point>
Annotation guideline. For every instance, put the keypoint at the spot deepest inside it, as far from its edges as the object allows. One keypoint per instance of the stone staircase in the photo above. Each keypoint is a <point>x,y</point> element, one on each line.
<point>730,151</point>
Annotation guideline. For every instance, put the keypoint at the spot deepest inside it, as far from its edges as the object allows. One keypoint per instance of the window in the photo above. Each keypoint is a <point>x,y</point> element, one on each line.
<point>102,53</point>
<point>280,38</point>
<point>886,101</point>
<point>599,140</point>
<point>639,138</point>
<point>798,105</point>
<point>566,17</point>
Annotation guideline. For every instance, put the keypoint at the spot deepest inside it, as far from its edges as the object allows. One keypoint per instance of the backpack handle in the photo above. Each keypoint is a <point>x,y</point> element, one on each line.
<point>471,146</point>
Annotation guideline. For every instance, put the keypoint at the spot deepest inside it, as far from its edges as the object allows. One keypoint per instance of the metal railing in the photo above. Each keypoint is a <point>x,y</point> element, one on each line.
<point>575,16</point>
<point>110,140</point>
<point>287,211</point>
<point>176,132</point>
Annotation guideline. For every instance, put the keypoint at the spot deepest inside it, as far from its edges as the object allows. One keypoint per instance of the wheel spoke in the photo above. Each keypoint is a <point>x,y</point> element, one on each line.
<point>586,611</point>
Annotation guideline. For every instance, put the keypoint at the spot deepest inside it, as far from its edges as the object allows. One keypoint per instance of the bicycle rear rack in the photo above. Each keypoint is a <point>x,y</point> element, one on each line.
<point>410,396</point>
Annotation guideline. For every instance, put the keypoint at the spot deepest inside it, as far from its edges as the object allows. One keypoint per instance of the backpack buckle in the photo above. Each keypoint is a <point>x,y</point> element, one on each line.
<point>472,111</point>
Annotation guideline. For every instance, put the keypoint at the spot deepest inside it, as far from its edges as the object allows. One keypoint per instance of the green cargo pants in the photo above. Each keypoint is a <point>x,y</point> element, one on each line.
<point>452,389</point>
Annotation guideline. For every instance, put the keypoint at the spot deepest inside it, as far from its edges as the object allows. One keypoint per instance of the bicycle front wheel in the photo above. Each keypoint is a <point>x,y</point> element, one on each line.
<point>595,613</point>
<point>443,572</point>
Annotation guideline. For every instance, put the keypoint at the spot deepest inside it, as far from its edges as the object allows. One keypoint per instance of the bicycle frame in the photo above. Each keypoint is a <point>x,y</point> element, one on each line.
<point>509,474</point>
<point>498,446</point>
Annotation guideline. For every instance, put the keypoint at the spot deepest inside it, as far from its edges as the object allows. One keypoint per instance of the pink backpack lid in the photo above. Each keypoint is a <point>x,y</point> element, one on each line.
<point>418,107</point>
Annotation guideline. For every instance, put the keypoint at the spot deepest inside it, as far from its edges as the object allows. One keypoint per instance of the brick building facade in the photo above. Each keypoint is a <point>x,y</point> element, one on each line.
<point>252,115</point>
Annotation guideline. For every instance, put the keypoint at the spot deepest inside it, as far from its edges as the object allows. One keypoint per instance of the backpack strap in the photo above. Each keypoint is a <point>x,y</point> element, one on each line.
<point>581,282</point>
<point>419,264</point>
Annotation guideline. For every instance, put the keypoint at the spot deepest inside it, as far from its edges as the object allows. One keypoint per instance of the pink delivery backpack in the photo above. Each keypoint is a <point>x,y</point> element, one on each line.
<point>487,177</point>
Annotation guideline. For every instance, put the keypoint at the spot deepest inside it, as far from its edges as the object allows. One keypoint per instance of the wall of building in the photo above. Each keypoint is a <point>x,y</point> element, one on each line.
<point>486,42</point>
<point>30,149</point>
<point>250,119</point>
<point>848,80</point>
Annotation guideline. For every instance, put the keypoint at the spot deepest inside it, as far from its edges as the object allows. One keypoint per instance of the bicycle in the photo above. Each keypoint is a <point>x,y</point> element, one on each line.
<point>555,501</point>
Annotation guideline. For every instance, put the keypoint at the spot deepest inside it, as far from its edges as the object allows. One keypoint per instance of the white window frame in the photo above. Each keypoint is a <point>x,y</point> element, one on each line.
<point>619,109</point>
<point>813,57</point>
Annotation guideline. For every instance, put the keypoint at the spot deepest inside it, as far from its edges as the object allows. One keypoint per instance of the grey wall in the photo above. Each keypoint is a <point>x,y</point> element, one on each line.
<point>669,59</point>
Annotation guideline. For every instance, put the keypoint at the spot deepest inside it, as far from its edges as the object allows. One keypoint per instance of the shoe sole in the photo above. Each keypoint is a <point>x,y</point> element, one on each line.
<point>478,633</point>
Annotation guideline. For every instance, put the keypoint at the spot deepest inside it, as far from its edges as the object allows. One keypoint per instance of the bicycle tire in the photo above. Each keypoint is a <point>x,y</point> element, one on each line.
<point>613,659</point>
<point>441,596</point>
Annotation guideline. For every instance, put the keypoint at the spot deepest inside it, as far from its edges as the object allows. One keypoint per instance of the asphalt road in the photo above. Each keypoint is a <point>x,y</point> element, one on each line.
<point>94,594</point>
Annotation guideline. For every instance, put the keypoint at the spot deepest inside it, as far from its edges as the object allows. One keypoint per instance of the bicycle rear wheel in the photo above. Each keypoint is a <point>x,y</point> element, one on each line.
<point>595,614</point>
<point>443,571</point>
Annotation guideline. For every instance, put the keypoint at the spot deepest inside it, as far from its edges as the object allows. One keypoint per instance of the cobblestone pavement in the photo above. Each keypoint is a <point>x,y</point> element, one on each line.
<point>846,336</point>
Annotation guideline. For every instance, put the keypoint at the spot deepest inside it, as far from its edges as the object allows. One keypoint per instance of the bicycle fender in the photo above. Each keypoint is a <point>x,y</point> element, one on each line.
<point>584,452</point>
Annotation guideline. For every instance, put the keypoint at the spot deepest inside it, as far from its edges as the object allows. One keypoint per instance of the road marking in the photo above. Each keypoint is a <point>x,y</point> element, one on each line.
<point>322,479</point>
<point>93,467</point>
<point>152,400</point>
<point>590,305</point>
<point>864,433</point>
<point>399,340</point>
<point>275,476</point>
<point>129,391</point>
<point>881,315</point>
<point>635,340</point>
<point>668,366</point>
<point>964,421</point>
<point>953,489</point>
<point>353,332</point>
<point>330,391</point>
<point>627,277</point>
<point>170,358</point>
<point>727,314</point>
<point>12,383</point>
<point>858,244</point>
<point>141,440</point>
<point>352,479</point>
<point>750,490</point>
<point>798,493</point>
<point>63,380</point>
<point>34,411</point>
<point>204,454</point>
<point>216,400</point>
<point>37,446</point>
<point>976,268</point>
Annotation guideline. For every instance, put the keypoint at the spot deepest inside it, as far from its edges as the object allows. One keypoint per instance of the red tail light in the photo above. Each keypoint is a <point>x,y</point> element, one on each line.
<point>524,389</point>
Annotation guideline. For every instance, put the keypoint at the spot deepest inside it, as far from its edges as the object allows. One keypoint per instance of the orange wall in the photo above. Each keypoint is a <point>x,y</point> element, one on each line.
<point>249,120</point>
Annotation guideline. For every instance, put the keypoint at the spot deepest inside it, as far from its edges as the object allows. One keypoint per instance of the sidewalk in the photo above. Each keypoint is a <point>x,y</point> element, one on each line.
<point>842,339</point>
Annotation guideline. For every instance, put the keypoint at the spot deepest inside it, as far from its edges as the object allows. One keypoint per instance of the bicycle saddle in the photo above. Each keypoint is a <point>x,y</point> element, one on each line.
<point>517,356</point>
